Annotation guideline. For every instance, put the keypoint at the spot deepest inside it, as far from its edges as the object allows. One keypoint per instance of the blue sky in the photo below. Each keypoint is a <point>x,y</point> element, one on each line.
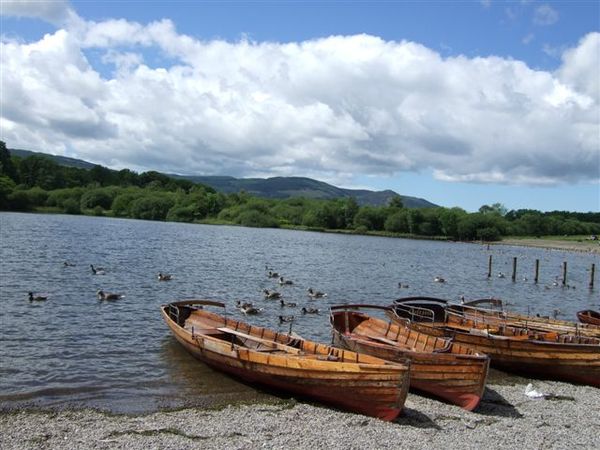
<point>461,103</point>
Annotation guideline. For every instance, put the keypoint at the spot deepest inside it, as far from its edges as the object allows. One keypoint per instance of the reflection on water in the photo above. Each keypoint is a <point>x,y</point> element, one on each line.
<point>76,350</point>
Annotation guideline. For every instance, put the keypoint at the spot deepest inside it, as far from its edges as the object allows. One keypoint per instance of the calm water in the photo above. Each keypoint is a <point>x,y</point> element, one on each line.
<point>74,350</point>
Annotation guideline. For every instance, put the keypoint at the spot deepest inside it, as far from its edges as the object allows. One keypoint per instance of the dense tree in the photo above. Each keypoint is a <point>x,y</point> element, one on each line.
<point>7,186</point>
<point>7,168</point>
<point>396,202</point>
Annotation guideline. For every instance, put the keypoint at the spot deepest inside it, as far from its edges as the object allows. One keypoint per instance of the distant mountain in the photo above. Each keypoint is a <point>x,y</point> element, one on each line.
<point>285,187</point>
<point>60,160</point>
<point>276,187</point>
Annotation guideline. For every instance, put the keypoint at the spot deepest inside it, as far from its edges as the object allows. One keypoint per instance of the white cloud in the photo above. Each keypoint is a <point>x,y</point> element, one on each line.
<point>330,108</point>
<point>545,15</point>
<point>581,66</point>
<point>57,12</point>
<point>528,38</point>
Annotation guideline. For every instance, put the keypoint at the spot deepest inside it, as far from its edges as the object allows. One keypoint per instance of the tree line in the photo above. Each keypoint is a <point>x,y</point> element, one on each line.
<point>37,183</point>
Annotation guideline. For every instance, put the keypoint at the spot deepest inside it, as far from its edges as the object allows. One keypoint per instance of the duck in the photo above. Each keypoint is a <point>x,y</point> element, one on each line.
<point>310,310</point>
<point>97,270</point>
<point>282,281</point>
<point>501,275</point>
<point>108,295</point>
<point>68,264</point>
<point>272,274</point>
<point>286,319</point>
<point>271,294</point>
<point>37,297</point>
<point>402,285</point>
<point>289,304</point>
<point>439,280</point>
<point>164,277</point>
<point>316,294</point>
<point>248,308</point>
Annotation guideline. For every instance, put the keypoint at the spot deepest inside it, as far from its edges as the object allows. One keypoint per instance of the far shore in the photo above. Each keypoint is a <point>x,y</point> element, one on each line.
<point>569,243</point>
<point>588,246</point>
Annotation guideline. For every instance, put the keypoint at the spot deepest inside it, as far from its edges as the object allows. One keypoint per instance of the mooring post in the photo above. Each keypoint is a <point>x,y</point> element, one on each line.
<point>514,274</point>
<point>564,277</point>
<point>592,272</point>
<point>490,266</point>
<point>537,270</point>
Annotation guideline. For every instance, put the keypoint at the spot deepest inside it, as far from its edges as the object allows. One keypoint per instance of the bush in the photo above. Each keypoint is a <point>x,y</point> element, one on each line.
<point>181,214</point>
<point>71,206</point>
<point>151,208</point>
<point>7,186</point>
<point>488,234</point>
<point>19,201</point>
<point>254,218</point>
<point>397,222</point>
<point>96,197</point>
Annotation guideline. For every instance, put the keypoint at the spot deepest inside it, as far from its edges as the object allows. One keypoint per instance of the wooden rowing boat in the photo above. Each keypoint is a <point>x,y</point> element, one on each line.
<point>589,316</point>
<point>541,354</point>
<point>345,379</point>
<point>487,312</point>
<point>438,366</point>
<point>491,310</point>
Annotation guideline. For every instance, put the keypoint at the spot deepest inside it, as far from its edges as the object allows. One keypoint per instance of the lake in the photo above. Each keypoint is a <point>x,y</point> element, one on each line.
<point>74,350</point>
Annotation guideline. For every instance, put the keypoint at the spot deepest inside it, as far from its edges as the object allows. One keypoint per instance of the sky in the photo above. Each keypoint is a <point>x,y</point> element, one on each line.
<point>461,103</point>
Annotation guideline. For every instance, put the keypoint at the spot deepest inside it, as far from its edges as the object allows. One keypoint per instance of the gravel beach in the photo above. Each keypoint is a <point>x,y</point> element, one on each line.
<point>506,418</point>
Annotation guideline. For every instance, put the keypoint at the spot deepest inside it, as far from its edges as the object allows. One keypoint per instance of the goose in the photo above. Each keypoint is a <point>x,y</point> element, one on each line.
<point>37,297</point>
<point>310,310</point>
<point>97,270</point>
<point>271,294</point>
<point>289,304</point>
<point>287,282</point>
<point>249,309</point>
<point>108,295</point>
<point>272,274</point>
<point>286,319</point>
<point>164,277</point>
<point>439,280</point>
<point>316,294</point>
<point>240,305</point>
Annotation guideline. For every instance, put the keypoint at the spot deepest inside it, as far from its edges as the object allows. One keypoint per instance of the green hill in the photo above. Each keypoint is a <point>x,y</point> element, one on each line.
<point>285,187</point>
<point>276,187</point>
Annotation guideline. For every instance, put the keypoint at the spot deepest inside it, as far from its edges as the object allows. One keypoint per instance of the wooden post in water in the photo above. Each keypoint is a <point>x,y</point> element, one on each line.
<point>564,277</point>
<point>514,274</point>
<point>592,272</point>
<point>537,270</point>
<point>490,266</point>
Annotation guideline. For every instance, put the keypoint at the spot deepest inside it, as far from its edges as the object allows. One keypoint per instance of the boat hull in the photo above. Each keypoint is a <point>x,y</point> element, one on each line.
<point>589,317</point>
<point>575,363</point>
<point>439,368</point>
<point>457,380</point>
<point>377,390</point>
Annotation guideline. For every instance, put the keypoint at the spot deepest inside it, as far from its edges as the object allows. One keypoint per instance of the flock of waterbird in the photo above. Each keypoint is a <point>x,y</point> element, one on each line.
<point>273,294</point>
<point>101,294</point>
<point>249,308</point>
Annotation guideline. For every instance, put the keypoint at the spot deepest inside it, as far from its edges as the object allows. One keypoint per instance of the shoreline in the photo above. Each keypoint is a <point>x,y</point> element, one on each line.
<point>587,246</point>
<point>505,418</point>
